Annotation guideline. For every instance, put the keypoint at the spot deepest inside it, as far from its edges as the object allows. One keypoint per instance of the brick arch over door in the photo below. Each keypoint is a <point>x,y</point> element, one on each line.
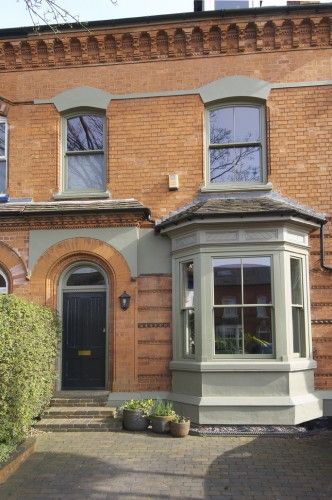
<point>14,268</point>
<point>121,324</point>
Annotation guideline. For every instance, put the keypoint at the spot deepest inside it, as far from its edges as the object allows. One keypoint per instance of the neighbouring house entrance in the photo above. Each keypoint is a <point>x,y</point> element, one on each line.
<point>84,293</point>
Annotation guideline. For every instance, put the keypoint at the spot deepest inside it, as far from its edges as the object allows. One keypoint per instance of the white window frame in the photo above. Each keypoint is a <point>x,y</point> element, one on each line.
<point>237,186</point>
<point>64,166</point>
<point>5,156</point>
<point>4,290</point>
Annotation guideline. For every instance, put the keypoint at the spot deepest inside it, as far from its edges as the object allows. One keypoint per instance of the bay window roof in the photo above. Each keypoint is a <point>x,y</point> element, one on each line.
<point>209,206</point>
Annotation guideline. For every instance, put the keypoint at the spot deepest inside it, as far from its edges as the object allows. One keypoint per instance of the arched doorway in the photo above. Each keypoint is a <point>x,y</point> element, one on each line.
<point>84,297</point>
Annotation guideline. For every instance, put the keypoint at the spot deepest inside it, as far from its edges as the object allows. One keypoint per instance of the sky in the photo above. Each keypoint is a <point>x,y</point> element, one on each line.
<point>14,13</point>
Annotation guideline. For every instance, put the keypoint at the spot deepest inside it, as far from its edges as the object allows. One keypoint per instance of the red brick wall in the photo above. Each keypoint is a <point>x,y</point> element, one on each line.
<point>150,138</point>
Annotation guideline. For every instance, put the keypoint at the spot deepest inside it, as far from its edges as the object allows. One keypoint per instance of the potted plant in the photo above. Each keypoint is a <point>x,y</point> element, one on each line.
<point>136,413</point>
<point>180,426</point>
<point>162,414</point>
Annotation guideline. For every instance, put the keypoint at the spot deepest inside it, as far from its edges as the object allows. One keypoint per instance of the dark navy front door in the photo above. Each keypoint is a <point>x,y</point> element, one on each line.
<point>84,338</point>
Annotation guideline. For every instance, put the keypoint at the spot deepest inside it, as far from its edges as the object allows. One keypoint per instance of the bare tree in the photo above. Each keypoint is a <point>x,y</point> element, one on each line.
<point>52,13</point>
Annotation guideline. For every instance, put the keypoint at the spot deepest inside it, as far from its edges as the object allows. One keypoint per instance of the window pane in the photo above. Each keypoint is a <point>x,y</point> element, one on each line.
<point>257,330</point>
<point>221,126</point>
<point>227,281</point>
<point>84,276</point>
<point>188,278</point>
<point>2,138</point>
<point>296,281</point>
<point>235,165</point>
<point>228,331</point>
<point>257,280</point>
<point>246,124</point>
<point>85,132</point>
<point>85,172</point>
<point>189,329</point>
<point>3,283</point>
<point>298,328</point>
<point>2,176</point>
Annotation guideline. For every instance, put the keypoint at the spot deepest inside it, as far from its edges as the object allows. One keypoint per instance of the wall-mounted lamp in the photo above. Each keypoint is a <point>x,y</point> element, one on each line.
<point>124,301</point>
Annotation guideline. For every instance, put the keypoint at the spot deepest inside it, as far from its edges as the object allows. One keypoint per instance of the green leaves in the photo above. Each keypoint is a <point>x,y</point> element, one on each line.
<point>29,336</point>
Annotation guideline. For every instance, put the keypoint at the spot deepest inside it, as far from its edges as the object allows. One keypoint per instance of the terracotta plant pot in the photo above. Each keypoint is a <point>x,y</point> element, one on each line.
<point>180,429</point>
<point>160,425</point>
<point>134,420</point>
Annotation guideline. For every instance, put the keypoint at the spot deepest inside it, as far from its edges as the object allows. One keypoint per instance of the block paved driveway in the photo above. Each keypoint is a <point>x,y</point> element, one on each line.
<point>141,466</point>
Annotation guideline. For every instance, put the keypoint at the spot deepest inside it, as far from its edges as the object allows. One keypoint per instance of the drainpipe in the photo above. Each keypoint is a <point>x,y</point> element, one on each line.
<point>322,249</point>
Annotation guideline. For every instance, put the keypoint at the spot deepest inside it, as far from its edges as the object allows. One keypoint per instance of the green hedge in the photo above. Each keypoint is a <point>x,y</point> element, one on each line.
<point>29,336</point>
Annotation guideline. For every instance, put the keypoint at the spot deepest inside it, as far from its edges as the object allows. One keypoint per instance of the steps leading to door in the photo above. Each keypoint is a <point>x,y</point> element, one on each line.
<point>79,412</point>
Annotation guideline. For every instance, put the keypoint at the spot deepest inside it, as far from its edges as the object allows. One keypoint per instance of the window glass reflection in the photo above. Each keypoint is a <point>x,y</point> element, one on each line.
<point>243,306</point>
<point>85,172</point>
<point>85,133</point>
<point>296,281</point>
<point>85,276</point>
<point>2,138</point>
<point>257,331</point>
<point>257,280</point>
<point>227,280</point>
<point>235,165</point>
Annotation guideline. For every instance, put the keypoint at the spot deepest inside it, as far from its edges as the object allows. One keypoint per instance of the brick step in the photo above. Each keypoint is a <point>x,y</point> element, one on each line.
<point>79,424</point>
<point>78,402</point>
<point>79,412</point>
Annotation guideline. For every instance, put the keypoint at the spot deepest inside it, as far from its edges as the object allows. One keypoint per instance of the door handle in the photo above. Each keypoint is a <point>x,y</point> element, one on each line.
<point>104,330</point>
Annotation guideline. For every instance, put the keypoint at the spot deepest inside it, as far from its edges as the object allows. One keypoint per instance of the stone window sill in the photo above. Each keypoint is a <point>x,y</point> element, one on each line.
<point>236,187</point>
<point>244,365</point>
<point>82,195</point>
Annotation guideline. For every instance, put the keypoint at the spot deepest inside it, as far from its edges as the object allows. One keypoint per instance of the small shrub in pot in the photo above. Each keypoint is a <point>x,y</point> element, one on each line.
<point>180,426</point>
<point>162,414</point>
<point>136,414</point>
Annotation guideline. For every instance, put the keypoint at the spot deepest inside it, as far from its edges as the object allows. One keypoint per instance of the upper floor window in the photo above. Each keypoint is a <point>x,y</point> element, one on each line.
<point>236,144</point>
<point>84,153</point>
<point>3,283</point>
<point>3,154</point>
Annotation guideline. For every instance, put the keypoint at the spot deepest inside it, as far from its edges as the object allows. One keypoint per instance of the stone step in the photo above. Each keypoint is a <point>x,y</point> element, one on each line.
<point>79,412</point>
<point>78,402</point>
<point>79,424</point>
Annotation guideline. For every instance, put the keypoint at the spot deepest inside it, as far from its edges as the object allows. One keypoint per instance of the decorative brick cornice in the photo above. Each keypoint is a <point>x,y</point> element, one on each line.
<point>66,221</point>
<point>174,40</point>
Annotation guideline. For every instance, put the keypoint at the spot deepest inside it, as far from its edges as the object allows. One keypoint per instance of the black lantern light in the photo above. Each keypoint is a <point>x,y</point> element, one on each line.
<point>124,301</point>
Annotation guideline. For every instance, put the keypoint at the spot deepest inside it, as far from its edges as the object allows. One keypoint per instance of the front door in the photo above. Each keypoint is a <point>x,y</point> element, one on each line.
<point>84,339</point>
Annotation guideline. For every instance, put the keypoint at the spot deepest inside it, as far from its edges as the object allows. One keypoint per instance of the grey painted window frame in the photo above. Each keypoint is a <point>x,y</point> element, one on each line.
<point>185,310</point>
<point>237,186</point>
<point>243,305</point>
<point>4,158</point>
<point>302,352</point>
<point>4,290</point>
<point>64,163</point>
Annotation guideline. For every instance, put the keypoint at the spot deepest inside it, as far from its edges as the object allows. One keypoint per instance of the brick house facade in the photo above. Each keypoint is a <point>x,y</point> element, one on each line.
<point>81,225</point>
